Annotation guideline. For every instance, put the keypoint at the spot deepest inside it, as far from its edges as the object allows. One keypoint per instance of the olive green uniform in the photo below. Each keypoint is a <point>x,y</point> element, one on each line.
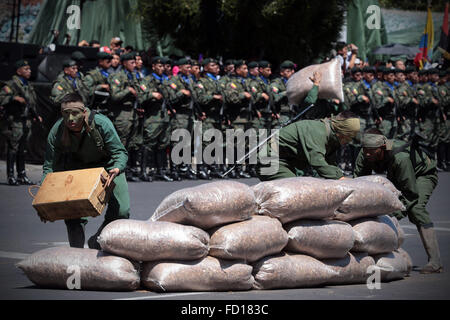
<point>407,111</point>
<point>17,121</point>
<point>280,101</point>
<point>64,85</point>
<point>415,179</point>
<point>304,144</point>
<point>93,80</point>
<point>429,114</point>
<point>88,151</point>
<point>386,110</point>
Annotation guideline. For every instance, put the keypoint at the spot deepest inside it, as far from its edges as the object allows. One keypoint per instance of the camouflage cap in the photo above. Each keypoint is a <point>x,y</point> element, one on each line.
<point>368,69</point>
<point>128,56</point>
<point>239,63</point>
<point>265,64</point>
<point>253,64</point>
<point>355,70</point>
<point>183,61</point>
<point>229,62</point>
<point>410,69</point>
<point>287,64</point>
<point>103,55</point>
<point>157,59</point>
<point>69,63</point>
<point>208,60</point>
<point>21,63</point>
<point>433,71</point>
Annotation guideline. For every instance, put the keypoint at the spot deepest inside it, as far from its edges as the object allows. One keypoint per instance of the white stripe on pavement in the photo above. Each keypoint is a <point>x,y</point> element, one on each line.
<point>13,255</point>
<point>163,296</point>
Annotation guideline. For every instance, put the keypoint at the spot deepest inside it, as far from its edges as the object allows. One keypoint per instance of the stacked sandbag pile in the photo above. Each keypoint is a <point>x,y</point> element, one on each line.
<point>227,236</point>
<point>336,230</point>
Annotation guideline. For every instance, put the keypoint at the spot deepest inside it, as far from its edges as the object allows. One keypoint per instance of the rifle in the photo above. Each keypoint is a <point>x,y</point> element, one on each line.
<point>246,156</point>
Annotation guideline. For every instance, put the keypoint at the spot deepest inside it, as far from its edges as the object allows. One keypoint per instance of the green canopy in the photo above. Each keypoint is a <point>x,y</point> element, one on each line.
<point>362,27</point>
<point>100,20</point>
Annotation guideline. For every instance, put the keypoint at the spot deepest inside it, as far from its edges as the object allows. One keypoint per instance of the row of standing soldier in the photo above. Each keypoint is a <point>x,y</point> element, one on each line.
<point>146,109</point>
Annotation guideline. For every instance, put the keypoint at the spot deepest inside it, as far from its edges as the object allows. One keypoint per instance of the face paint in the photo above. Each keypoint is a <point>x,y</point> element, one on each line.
<point>73,119</point>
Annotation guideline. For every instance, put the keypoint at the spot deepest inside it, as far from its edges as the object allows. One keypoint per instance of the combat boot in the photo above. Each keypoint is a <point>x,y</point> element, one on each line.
<point>143,163</point>
<point>75,233</point>
<point>21,173</point>
<point>241,173</point>
<point>430,243</point>
<point>131,166</point>
<point>203,173</point>
<point>10,159</point>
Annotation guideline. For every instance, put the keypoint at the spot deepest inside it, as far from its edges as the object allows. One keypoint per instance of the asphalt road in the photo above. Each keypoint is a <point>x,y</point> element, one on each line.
<point>22,233</point>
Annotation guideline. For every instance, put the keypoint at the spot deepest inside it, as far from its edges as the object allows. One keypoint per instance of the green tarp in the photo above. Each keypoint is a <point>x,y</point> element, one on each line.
<point>100,20</point>
<point>365,28</point>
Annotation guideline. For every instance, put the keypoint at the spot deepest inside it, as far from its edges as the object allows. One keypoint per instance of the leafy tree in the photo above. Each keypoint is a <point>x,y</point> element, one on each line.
<point>275,30</point>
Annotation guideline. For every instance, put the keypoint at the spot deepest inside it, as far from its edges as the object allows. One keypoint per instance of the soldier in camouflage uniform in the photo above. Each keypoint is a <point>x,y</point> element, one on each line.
<point>180,97</point>
<point>386,102</point>
<point>96,80</point>
<point>210,100</point>
<point>70,81</point>
<point>283,112</point>
<point>19,102</point>
<point>261,108</point>
<point>444,127</point>
<point>357,96</point>
<point>238,103</point>
<point>156,124</point>
<point>429,112</point>
<point>125,111</point>
<point>407,106</point>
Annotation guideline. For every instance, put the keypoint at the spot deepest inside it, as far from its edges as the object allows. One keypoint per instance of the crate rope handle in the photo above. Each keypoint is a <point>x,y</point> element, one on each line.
<point>31,187</point>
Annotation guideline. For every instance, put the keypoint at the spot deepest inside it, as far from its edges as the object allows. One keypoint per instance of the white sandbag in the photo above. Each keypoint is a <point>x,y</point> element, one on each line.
<point>320,239</point>
<point>248,240</point>
<point>330,87</point>
<point>288,270</point>
<point>368,199</point>
<point>291,199</point>
<point>408,260</point>
<point>351,269</point>
<point>393,265</point>
<point>207,274</point>
<point>382,180</point>
<point>208,205</point>
<point>154,240</point>
<point>374,235</point>
<point>84,269</point>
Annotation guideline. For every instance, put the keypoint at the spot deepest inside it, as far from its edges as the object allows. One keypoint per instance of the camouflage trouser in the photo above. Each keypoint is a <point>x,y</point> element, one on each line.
<point>181,121</point>
<point>126,124</point>
<point>208,124</point>
<point>389,128</point>
<point>444,131</point>
<point>16,134</point>
<point>429,129</point>
<point>405,129</point>
<point>155,135</point>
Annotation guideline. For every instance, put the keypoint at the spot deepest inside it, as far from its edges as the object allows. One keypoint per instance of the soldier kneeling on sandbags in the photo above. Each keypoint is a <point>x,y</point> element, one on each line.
<point>413,173</point>
<point>83,139</point>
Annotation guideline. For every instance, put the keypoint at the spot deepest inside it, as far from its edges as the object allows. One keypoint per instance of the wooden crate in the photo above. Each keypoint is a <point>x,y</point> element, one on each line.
<point>73,194</point>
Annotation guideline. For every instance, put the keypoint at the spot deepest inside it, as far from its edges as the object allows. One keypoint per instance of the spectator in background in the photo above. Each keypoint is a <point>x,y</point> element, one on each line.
<point>116,45</point>
<point>115,64</point>
<point>83,43</point>
<point>346,58</point>
<point>94,44</point>
<point>399,64</point>
<point>129,49</point>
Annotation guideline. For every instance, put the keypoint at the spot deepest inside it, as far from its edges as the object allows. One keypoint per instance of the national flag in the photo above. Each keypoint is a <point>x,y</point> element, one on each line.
<point>443,41</point>
<point>426,43</point>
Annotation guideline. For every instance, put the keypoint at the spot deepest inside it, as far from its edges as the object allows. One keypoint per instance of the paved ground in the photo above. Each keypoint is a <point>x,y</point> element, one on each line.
<point>22,233</point>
